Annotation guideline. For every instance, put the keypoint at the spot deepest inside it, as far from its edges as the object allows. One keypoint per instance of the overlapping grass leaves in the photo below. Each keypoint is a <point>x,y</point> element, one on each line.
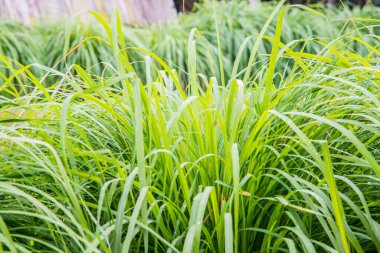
<point>110,164</point>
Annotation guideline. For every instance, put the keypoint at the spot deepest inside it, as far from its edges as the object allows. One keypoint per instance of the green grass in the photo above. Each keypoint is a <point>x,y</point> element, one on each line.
<point>276,160</point>
<point>60,46</point>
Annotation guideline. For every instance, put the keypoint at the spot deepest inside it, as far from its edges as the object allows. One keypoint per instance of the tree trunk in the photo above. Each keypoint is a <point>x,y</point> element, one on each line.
<point>27,11</point>
<point>151,11</point>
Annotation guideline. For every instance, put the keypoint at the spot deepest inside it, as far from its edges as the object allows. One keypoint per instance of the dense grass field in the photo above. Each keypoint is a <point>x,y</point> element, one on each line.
<point>252,130</point>
<point>61,45</point>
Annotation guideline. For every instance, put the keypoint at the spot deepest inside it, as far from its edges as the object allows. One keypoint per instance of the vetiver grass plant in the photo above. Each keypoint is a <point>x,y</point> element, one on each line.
<point>262,162</point>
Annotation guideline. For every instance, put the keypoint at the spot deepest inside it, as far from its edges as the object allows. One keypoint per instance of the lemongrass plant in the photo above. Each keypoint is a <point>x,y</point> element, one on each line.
<point>60,46</point>
<point>264,162</point>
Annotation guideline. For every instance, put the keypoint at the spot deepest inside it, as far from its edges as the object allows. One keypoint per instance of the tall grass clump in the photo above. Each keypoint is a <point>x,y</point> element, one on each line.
<point>267,161</point>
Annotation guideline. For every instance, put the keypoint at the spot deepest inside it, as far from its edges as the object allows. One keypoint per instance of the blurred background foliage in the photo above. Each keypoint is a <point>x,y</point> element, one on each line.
<point>62,44</point>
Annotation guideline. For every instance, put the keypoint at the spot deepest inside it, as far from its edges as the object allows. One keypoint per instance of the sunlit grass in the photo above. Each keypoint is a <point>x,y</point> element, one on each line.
<point>268,162</point>
<point>60,45</point>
